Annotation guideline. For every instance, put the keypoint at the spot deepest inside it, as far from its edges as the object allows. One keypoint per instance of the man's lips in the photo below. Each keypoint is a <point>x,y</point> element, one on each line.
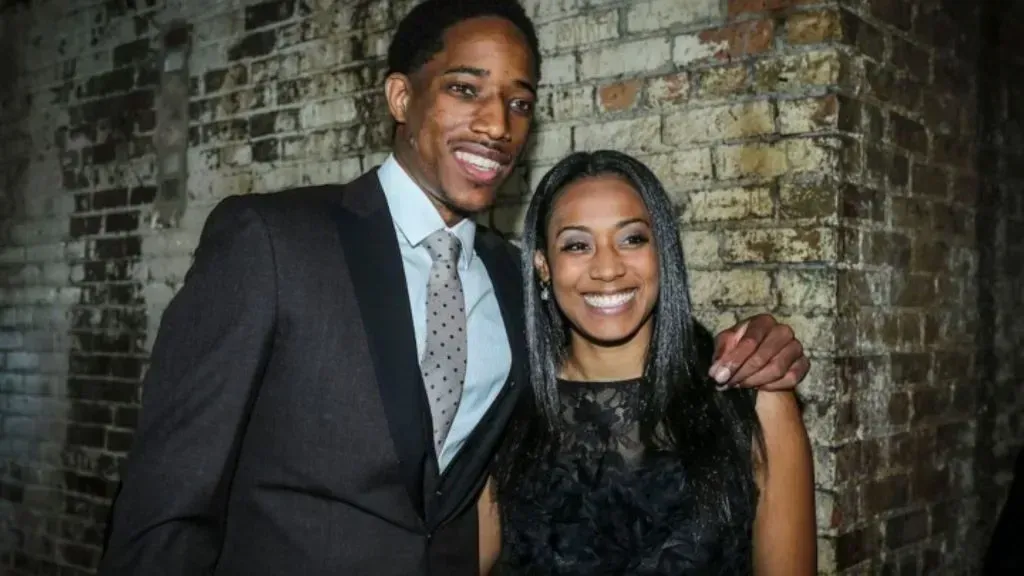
<point>481,163</point>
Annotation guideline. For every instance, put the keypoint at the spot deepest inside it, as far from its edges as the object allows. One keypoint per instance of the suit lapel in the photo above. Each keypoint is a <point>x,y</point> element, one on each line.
<point>375,267</point>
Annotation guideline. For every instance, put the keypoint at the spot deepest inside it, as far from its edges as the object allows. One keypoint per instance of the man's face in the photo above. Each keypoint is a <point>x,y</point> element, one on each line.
<point>464,117</point>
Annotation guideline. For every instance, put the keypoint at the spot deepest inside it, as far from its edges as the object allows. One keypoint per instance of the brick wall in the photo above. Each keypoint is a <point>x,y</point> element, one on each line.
<point>831,165</point>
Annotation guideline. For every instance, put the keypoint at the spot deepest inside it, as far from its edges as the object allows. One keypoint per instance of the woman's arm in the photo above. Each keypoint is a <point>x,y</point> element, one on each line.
<point>490,529</point>
<point>785,538</point>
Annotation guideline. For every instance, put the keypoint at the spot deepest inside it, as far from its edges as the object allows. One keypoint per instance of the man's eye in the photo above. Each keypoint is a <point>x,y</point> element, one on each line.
<point>522,106</point>
<point>462,90</point>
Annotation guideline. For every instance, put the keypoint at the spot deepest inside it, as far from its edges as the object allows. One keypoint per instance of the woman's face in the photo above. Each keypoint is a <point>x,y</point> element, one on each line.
<point>601,260</point>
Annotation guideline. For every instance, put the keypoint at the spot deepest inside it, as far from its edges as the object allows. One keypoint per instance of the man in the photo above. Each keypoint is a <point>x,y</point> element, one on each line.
<point>288,426</point>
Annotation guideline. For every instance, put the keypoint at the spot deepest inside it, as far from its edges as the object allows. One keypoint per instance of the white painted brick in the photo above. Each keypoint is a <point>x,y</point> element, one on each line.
<point>56,274</point>
<point>166,269</point>
<point>639,134</point>
<point>578,31</point>
<point>568,103</point>
<point>659,14</point>
<point>331,172</point>
<point>553,142</point>
<point>12,254</point>
<point>630,57</point>
<point>545,10</point>
<point>719,123</point>
<point>11,340</point>
<point>689,48</point>
<point>44,252</point>
<point>278,177</point>
<point>732,288</point>
<point>682,168</point>
<point>326,113</point>
<point>558,70</point>
<point>22,361</point>
<point>157,294</point>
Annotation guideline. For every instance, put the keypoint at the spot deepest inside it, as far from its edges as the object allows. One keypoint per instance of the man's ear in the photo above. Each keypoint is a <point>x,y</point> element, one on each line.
<point>540,264</point>
<point>398,91</point>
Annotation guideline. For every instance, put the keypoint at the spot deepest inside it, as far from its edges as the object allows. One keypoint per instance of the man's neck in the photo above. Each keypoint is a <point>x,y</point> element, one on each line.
<point>450,217</point>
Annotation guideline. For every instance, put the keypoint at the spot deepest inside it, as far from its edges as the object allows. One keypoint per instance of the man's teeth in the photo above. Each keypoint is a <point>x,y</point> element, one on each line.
<point>609,300</point>
<point>478,161</point>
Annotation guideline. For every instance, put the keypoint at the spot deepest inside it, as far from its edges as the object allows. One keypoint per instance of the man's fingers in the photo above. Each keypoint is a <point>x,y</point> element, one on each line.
<point>759,353</point>
<point>726,339</point>
<point>792,378</point>
<point>776,368</point>
<point>727,360</point>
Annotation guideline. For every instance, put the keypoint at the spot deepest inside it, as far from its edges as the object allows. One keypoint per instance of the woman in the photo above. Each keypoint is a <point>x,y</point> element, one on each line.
<point>626,459</point>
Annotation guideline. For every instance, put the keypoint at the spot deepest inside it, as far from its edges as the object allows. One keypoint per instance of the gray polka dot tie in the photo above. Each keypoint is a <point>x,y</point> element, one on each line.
<point>444,356</point>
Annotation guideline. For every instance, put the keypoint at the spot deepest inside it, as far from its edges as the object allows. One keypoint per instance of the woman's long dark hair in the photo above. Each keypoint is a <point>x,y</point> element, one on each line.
<point>681,411</point>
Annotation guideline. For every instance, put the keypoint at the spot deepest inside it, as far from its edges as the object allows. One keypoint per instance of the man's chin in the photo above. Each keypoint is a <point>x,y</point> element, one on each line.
<point>468,200</point>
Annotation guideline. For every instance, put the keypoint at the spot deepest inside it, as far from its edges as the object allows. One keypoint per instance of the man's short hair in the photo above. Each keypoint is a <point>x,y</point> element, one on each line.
<point>420,35</point>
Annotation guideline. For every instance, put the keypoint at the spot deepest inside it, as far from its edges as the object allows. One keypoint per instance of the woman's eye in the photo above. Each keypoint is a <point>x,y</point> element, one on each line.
<point>574,247</point>
<point>635,240</point>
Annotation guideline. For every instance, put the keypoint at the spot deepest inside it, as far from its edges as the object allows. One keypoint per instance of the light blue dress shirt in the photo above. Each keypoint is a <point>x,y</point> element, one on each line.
<point>489,360</point>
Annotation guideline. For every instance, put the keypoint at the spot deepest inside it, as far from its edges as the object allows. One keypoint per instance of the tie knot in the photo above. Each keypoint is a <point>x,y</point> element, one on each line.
<point>443,246</point>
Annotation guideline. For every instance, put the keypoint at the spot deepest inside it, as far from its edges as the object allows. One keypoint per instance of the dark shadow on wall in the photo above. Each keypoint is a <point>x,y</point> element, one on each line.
<point>14,144</point>
<point>14,161</point>
<point>998,269</point>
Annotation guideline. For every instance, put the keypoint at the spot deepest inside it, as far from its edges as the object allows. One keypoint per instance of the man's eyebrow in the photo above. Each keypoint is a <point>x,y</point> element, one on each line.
<point>481,73</point>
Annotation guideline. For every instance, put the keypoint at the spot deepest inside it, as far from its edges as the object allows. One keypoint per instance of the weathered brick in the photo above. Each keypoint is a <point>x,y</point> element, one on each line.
<point>619,96</point>
<point>725,204</point>
<point>808,115</point>
<point>640,134</point>
<point>811,245</point>
<point>702,248</point>
<point>739,40</point>
<point>819,68</point>
<point>697,125</point>
<point>813,27</point>
<point>807,290</point>
<point>723,81</point>
<point>578,31</point>
<point>668,90</point>
<point>629,57</point>
<point>647,15</point>
<point>732,288</point>
<point>870,205</point>
<point>682,168</point>
<point>750,160</point>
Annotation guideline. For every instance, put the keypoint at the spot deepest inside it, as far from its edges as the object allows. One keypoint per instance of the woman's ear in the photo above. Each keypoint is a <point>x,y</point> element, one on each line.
<point>540,264</point>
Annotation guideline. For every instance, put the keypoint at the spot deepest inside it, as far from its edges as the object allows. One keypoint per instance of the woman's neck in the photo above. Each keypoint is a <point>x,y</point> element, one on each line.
<point>592,362</point>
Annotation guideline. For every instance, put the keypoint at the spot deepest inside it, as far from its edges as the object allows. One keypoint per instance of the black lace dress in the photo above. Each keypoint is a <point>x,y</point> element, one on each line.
<point>603,505</point>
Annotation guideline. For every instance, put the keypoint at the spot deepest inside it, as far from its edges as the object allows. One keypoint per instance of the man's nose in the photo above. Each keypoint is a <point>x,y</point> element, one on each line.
<point>492,120</point>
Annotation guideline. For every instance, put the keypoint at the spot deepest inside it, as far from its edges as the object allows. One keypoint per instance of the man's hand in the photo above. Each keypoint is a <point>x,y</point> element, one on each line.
<point>759,353</point>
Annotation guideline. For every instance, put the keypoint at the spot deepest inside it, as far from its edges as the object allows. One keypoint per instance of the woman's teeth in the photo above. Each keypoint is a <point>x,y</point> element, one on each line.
<point>609,300</point>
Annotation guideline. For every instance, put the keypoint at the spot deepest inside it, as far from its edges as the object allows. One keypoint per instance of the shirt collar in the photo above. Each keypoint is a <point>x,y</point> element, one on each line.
<point>413,213</point>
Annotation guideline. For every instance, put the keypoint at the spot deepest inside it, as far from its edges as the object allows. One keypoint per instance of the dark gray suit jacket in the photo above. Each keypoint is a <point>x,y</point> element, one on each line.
<point>284,426</point>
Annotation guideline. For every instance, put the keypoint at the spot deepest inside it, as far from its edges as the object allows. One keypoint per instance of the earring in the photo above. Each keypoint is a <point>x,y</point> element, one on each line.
<point>544,294</point>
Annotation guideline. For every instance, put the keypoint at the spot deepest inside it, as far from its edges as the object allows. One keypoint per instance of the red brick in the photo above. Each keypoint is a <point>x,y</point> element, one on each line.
<point>619,96</point>
<point>743,39</point>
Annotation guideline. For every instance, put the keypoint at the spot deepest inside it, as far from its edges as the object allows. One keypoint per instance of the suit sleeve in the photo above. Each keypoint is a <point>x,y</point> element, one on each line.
<point>206,364</point>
